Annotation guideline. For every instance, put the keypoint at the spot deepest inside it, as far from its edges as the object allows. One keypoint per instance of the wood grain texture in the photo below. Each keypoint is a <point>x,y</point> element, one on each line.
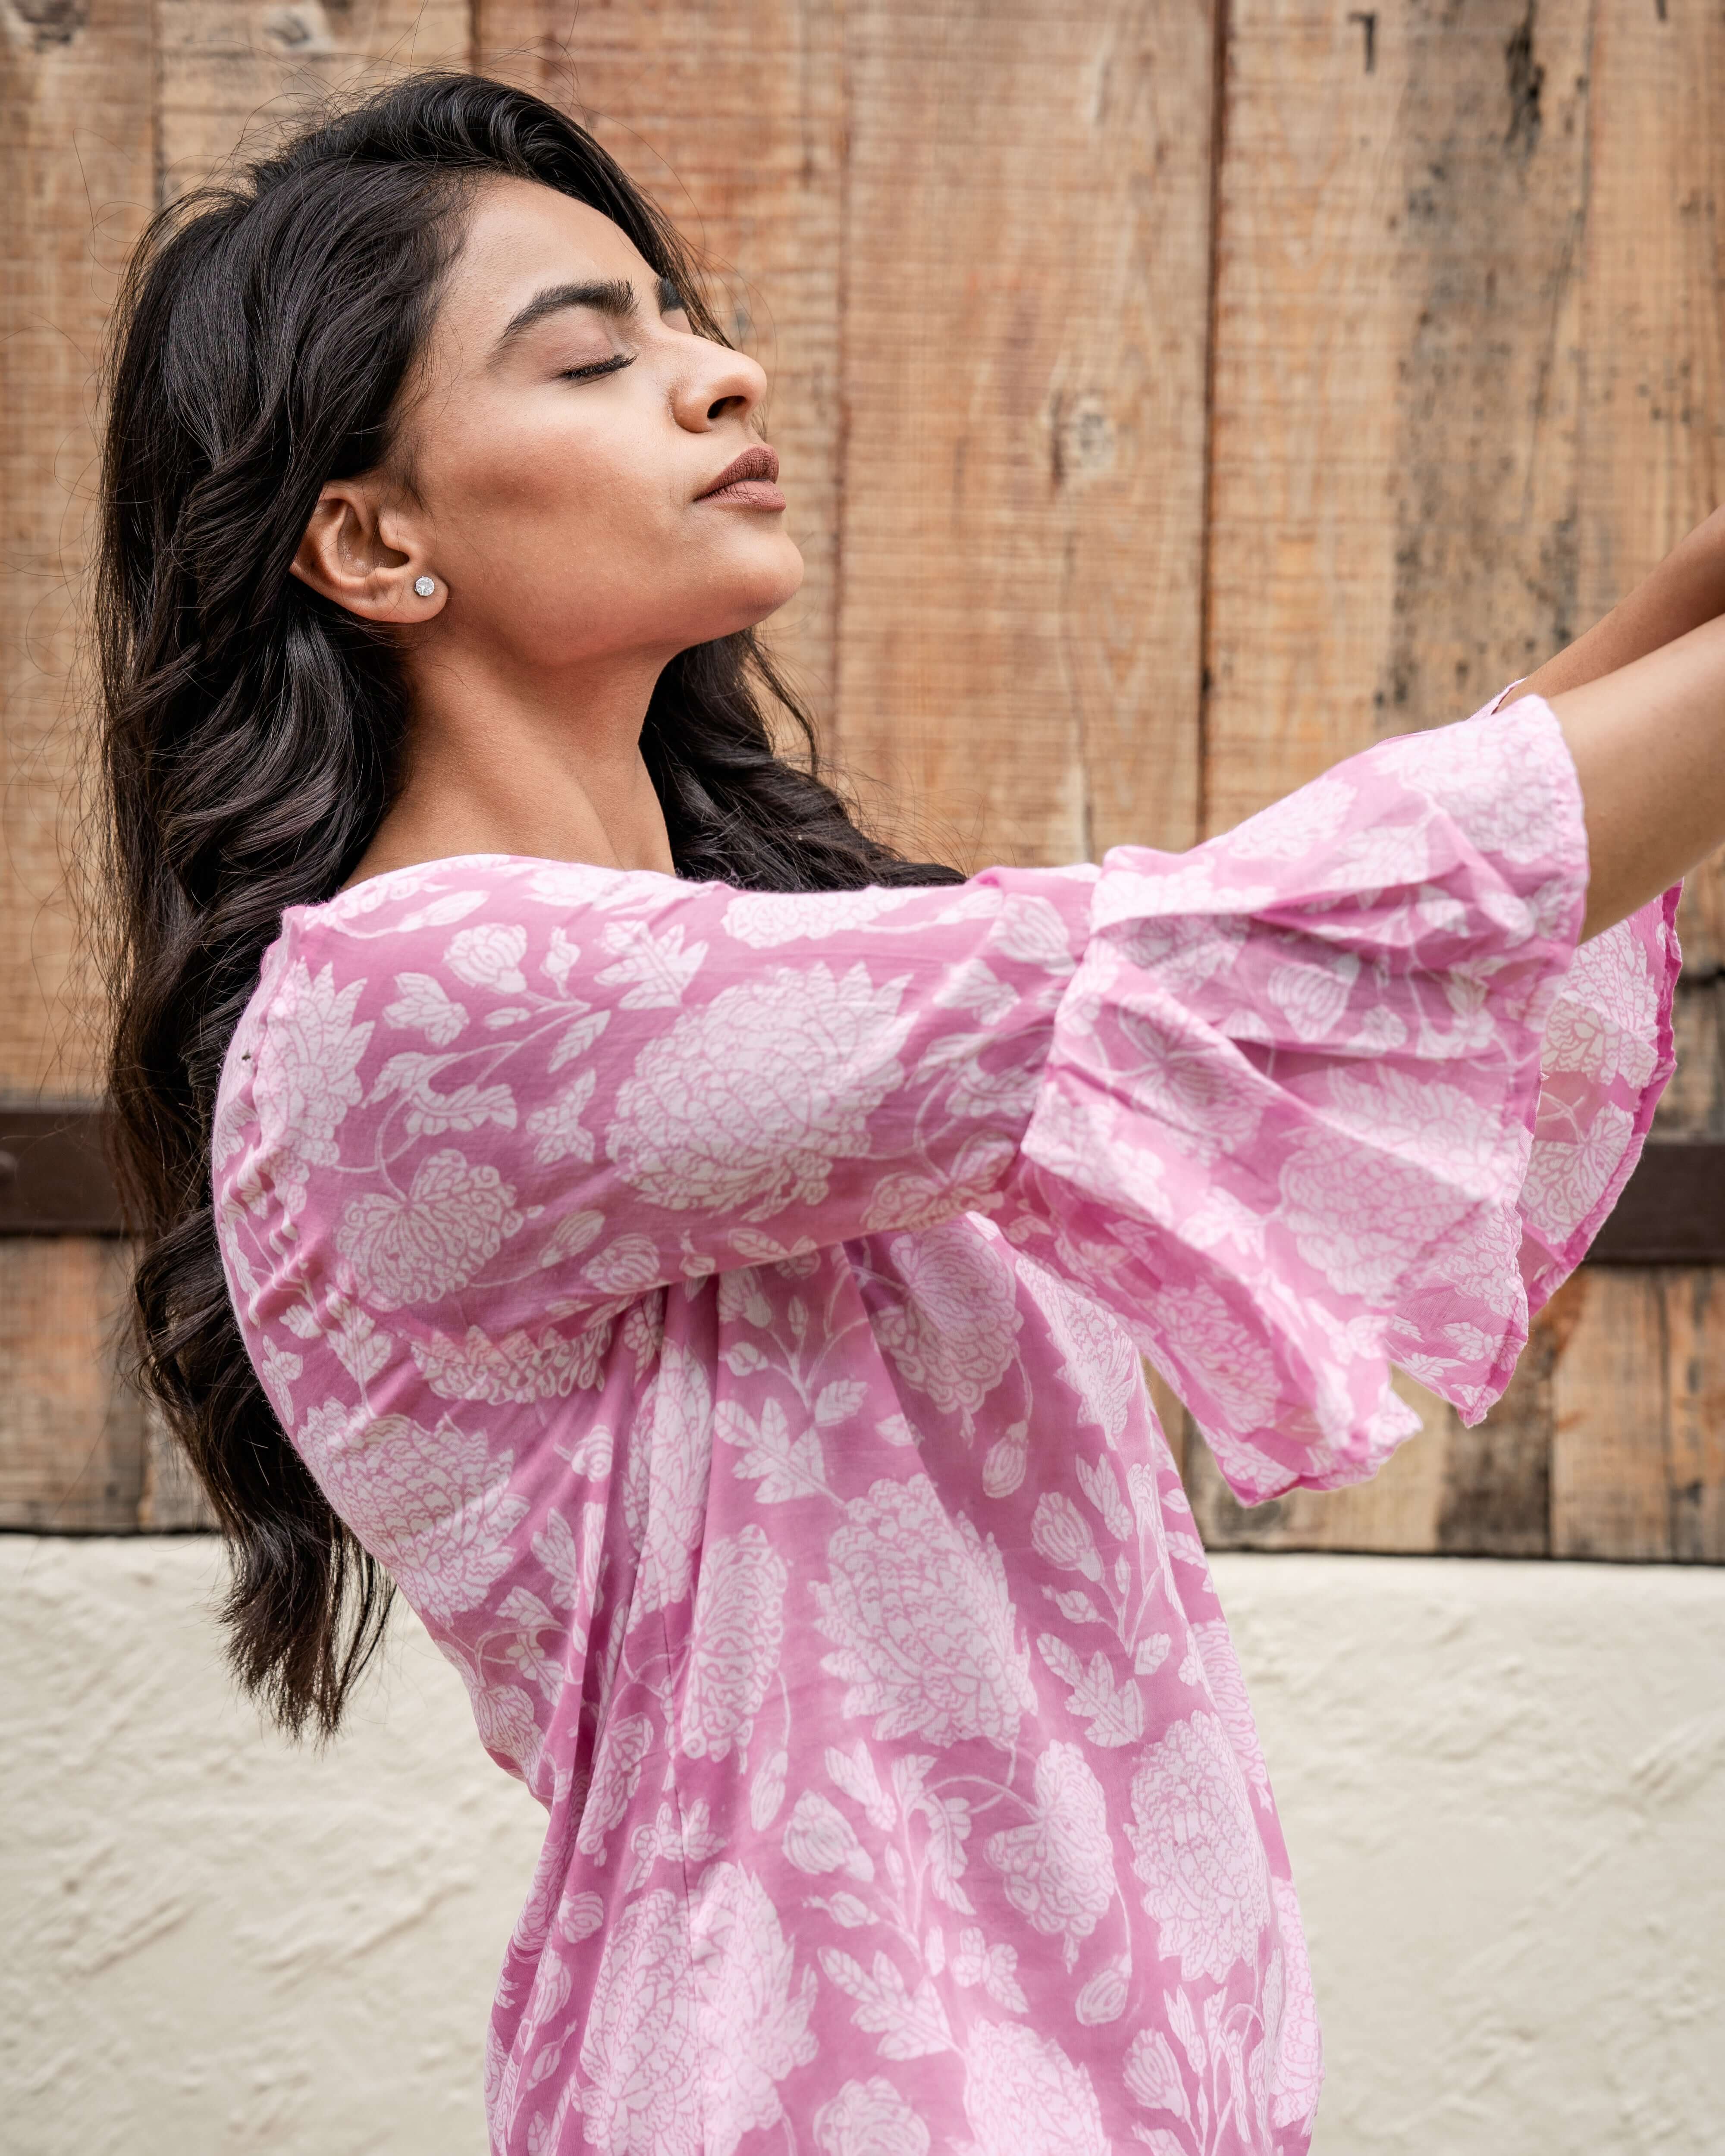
<point>733,119</point>
<point>71,1434</point>
<point>1397,377</point>
<point>75,172</point>
<point>1610,1442</point>
<point>1026,280</point>
<point>235,76</point>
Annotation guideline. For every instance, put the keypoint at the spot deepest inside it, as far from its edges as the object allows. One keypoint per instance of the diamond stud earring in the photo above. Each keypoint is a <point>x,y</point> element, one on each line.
<point>425,586</point>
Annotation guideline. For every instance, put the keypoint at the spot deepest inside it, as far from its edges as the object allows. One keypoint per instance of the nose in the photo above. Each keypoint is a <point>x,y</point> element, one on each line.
<point>718,384</point>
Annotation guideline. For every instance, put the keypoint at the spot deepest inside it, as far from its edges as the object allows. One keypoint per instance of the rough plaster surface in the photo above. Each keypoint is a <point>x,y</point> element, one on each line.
<point>1504,1786</point>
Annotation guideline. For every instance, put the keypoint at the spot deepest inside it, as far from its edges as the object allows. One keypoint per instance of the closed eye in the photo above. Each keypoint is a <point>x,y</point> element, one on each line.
<point>617,361</point>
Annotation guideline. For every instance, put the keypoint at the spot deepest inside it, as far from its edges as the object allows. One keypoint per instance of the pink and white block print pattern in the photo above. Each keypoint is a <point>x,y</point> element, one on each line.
<point>721,1311</point>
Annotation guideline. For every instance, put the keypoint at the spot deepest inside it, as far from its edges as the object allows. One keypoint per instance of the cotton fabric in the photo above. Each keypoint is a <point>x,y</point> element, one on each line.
<point>721,1312</point>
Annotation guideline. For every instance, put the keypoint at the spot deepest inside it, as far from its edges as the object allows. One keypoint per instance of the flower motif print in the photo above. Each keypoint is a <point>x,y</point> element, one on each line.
<point>870,2118</point>
<point>952,1336</point>
<point>1059,1870</point>
<point>305,1081</point>
<point>754,2006</point>
<point>745,1103</point>
<point>1205,1879</point>
<point>739,1633</point>
<point>1098,1362</point>
<point>434,1505</point>
<point>640,2054</point>
<point>917,1602</point>
<point>1291,2041</point>
<point>535,1182</point>
<point>453,1221</point>
<point>666,1481</point>
<point>1024,2097</point>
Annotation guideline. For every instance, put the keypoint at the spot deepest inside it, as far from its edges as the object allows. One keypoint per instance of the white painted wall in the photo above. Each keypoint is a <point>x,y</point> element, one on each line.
<point>1504,1786</point>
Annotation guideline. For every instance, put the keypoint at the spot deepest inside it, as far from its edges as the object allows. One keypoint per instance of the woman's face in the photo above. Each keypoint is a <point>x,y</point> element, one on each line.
<point>563,427</point>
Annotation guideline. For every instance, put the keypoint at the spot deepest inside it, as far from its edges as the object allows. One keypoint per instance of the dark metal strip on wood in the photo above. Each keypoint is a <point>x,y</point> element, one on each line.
<point>1672,1208</point>
<point>54,1178</point>
<point>55,1181</point>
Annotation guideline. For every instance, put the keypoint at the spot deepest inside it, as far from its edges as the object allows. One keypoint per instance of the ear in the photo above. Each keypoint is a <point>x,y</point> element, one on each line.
<point>366,555</point>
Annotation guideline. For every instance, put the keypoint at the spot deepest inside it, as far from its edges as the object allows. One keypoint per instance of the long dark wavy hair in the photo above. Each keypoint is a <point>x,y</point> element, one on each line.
<point>251,731</point>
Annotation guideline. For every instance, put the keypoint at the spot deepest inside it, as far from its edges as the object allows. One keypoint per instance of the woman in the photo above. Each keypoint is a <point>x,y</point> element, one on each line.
<point>702,1258</point>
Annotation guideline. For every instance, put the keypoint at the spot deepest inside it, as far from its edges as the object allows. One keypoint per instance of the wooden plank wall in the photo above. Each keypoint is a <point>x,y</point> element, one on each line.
<point>1170,402</point>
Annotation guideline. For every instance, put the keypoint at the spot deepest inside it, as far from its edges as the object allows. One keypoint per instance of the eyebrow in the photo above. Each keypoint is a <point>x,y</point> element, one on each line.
<point>614,296</point>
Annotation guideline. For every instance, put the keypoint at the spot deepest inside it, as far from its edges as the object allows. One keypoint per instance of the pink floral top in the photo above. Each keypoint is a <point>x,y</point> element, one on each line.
<point>721,1312</point>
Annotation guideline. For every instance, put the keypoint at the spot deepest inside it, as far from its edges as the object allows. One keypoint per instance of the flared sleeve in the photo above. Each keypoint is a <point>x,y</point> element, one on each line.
<point>1336,1091</point>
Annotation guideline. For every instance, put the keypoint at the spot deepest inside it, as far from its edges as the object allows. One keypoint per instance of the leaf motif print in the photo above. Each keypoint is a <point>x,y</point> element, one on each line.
<point>304,1080</point>
<point>626,1267</point>
<point>423,1005</point>
<point>910,2025</point>
<point>854,1773</point>
<point>738,1634</point>
<point>556,1129</point>
<point>870,2118</point>
<point>433,1504</point>
<point>993,1965</point>
<point>742,1105</point>
<point>422,1247</point>
<point>1058,1870</point>
<point>665,1486</point>
<point>753,2011</point>
<point>818,1838</point>
<point>840,1400</point>
<point>653,971</point>
<point>1024,2097</point>
<point>1113,1714</point>
<point>766,1790</point>
<point>1199,1854</point>
<point>640,2054</point>
<point>572,1563</point>
<point>578,1038</point>
<point>454,905</point>
<point>952,1336</point>
<point>784,1466</point>
<point>518,1366</point>
<point>624,1742</point>
<point>686,1839</point>
<point>1101,1486</point>
<point>489,957</point>
<point>917,1604</point>
<point>429,1114</point>
<point>1311,991</point>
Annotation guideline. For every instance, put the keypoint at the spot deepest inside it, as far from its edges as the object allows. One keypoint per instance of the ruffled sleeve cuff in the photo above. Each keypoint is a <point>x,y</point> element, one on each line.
<point>1337,1091</point>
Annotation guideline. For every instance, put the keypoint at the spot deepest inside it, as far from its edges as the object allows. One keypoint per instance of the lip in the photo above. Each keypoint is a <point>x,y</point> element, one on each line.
<point>751,480</point>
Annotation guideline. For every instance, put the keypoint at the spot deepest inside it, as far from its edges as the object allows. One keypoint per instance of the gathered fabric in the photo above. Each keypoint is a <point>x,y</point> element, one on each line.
<point>721,1312</point>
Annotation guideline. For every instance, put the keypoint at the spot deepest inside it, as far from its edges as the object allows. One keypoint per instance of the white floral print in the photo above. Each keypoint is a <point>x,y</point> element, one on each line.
<point>1205,1879</point>
<point>423,1246</point>
<point>1024,2097</point>
<point>916,1602</point>
<point>739,1632</point>
<point>746,1103</point>
<point>870,2118</point>
<point>1059,1869</point>
<point>720,1312</point>
<point>952,1335</point>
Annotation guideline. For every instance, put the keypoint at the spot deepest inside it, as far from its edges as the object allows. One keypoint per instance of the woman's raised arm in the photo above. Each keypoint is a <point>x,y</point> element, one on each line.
<point>1649,746</point>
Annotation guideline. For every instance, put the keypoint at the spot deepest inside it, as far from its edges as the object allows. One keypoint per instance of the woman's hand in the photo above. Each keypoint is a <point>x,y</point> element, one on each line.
<point>1686,590</point>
